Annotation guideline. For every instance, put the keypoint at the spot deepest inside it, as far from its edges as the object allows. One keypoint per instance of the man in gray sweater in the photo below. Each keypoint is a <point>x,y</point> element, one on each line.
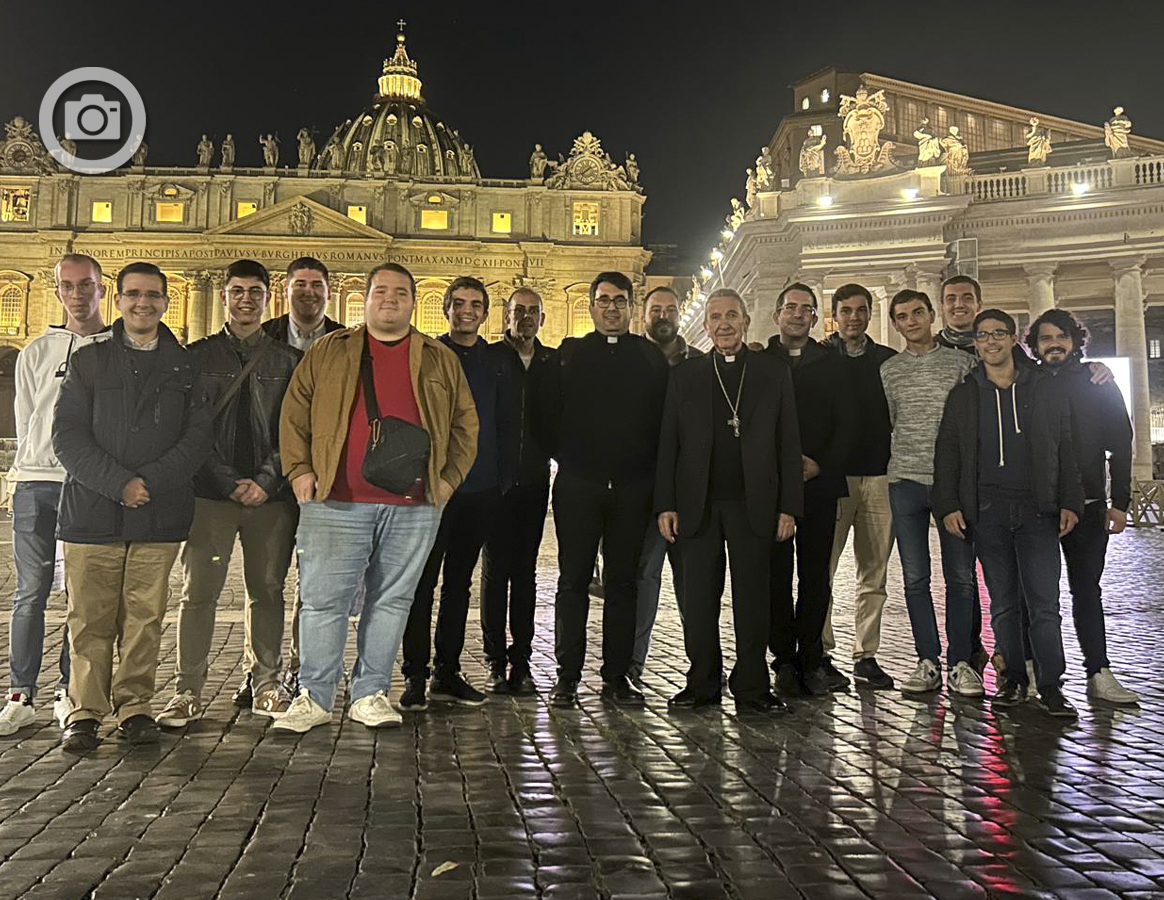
<point>916,383</point>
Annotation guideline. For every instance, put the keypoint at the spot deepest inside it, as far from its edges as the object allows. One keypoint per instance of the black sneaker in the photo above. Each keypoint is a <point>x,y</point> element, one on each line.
<point>80,736</point>
<point>867,672</point>
<point>787,684</point>
<point>413,699</point>
<point>1056,704</point>
<point>139,729</point>
<point>565,693</point>
<point>521,682</point>
<point>765,705</point>
<point>453,688</point>
<point>621,692</point>
<point>834,677</point>
<point>979,659</point>
<point>245,695</point>
<point>688,699</point>
<point>498,683</point>
<point>814,684</point>
<point>1010,693</point>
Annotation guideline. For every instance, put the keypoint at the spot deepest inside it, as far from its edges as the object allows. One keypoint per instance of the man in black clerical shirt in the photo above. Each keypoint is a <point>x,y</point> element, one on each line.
<point>743,487</point>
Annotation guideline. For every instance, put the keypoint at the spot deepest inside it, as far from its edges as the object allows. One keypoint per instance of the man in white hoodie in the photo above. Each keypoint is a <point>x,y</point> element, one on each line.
<point>40,370</point>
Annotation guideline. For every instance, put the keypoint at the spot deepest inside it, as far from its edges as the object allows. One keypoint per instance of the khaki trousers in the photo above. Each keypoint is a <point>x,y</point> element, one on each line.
<point>267,535</point>
<point>117,597</point>
<point>866,513</point>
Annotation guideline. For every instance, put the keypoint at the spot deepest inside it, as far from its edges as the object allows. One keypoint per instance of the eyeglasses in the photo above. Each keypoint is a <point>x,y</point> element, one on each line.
<point>607,302</point>
<point>999,334</point>
<point>807,308</point>
<point>255,293</point>
<point>134,296</point>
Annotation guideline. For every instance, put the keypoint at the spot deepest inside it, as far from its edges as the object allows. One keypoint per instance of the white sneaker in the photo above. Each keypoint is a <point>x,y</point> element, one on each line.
<point>925,678</point>
<point>303,715</point>
<point>964,681</point>
<point>1103,686</point>
<point>17,713</point>
<point>62,707</point>
<point>375,711</point>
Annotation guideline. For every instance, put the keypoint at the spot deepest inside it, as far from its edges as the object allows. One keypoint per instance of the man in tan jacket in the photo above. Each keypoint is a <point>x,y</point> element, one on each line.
<point>350,530</point>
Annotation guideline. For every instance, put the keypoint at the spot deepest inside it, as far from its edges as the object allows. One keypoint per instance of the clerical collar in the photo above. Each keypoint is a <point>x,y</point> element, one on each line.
<point>612,338</point>
<point>732,357</point>
<point>794,351</point>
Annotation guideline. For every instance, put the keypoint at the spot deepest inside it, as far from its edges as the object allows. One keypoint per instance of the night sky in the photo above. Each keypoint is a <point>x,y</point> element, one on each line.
<point>693,95</point>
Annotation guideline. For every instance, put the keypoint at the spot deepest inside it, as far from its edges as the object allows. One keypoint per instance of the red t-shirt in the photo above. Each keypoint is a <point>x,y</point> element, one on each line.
<point>393,380</point>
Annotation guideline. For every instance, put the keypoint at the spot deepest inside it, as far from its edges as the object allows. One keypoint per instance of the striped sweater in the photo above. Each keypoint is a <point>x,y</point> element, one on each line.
<point>915,389</point>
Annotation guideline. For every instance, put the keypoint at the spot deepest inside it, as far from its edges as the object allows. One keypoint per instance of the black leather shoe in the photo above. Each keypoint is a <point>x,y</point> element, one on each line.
<point>787,683</point>
<point>814,684</point>
<point>565,694</point>
<point>139,729</point>
<point>1052,700</point>
<point>765,704</point>
<point>521,682</point>
<point>834,677</point>
<point>635,675</point>
<point>621,692</point>
<point>687,699</point>
<point>867,672</point>
<point>245,695</point>
<point>1010,693</point>
<point>497,683</point>
<point>80,736</point>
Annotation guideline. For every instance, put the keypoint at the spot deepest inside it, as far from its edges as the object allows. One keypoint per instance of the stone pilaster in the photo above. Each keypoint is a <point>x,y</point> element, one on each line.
<point>217,312</point>
<point>202,299</point>
<point>1132,342</point>
<point>1041,288</point>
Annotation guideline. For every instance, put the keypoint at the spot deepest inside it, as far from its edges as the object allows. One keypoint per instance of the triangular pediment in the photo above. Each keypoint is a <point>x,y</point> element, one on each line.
<point>298,217</point>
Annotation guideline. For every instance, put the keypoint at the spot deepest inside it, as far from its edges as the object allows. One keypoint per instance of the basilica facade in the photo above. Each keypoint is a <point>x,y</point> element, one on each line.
<point>394,182</point>
<point>892,185</point>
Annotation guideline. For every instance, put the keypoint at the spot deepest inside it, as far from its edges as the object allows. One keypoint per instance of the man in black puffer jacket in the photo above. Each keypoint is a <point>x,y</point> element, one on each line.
<point>131,428</point>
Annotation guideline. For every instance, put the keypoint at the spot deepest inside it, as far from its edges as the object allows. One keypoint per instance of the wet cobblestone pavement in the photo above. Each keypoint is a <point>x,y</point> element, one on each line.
<point>858,795</point>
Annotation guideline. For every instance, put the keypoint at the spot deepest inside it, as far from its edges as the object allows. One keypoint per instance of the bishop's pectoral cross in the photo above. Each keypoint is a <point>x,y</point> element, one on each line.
<point>734,422</point>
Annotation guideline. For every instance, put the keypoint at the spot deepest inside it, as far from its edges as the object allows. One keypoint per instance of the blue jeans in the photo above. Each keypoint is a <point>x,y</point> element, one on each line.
<point>341,546</point>
<point>650,579</point>
<point>1019,550</point>
<point>912,512</point>
<point>34,546</point>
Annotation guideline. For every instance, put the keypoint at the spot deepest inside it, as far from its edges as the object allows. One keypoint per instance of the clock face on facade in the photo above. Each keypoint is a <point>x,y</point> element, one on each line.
<point>586,170</point>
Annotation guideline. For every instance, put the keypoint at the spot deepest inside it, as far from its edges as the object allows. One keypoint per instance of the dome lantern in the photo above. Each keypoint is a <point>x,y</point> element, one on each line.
<point>399,81</point>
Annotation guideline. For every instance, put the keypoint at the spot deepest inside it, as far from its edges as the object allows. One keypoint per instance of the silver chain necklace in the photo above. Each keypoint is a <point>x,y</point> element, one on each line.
<point>734,421</point>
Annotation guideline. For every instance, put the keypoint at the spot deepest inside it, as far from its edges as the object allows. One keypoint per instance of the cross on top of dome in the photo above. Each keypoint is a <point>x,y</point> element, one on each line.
<point>399,81</point>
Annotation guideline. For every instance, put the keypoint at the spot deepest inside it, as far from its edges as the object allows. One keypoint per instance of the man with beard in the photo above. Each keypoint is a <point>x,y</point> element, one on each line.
<point>661,325</point>
<point>826,413</point>
<point>742,487</point>
<point>511,551</point>
<point>1102,436</point>
<point>467,519</point>
<point>599,411</point>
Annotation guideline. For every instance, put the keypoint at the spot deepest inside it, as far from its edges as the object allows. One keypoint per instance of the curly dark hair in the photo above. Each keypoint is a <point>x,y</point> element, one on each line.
<point>1065,322</point>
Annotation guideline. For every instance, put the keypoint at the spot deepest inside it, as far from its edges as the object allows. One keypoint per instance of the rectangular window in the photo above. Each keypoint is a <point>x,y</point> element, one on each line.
<point>1154,348</point>
<point>434,219</point>
<point>245,208</point>
<point>101,211</point>
<point>358,214</point>
<point>1156,417</point>
<point>502,223</point>
<point>586,219</point>
<point>999,135</point>
<point>973,126</point>
<point>942,119</point>
<point>909,119</point>
<point>14,204</point>
<point>169,212</point>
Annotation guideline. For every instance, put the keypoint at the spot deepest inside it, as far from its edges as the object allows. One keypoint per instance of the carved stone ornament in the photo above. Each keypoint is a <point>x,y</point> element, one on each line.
<point>22,150</point>
<point>812,160</point>
<point>300,220</point>
<point>863,118</point>
<point>588,168</point>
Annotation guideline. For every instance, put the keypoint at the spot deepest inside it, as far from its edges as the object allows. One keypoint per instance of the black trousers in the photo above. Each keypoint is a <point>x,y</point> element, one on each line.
<point>795,635</point>
<point>585,513</point>
<point>704,561</point>
<point>508,575</point>
<point>464,526</point>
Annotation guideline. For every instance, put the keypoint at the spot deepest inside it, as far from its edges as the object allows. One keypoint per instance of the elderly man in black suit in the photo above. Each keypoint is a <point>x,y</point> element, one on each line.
<point>729,473</point>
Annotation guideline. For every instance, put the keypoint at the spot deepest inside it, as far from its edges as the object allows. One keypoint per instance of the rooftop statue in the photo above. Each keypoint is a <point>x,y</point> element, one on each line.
<point>1038,143</point>
<point>270,145</point>
<point>750,188</point>
<point>955,157</point>
<point>228,151</point>
<point>764,180</point>
<point>929,147</point>
<point>205,151</point>
<point>537,163</point>
<point>306,147</point>
<point>812,161</point>
<point>1116,131</point>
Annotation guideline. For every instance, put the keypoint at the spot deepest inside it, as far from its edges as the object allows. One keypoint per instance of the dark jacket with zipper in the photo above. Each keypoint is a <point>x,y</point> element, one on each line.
<point>1042,410</point>
<point>827,415</point>
<point>531,461</point>
<point>279,327</point>
<point>221,358</point>
<point>870,452</point>
<point>110,426</point>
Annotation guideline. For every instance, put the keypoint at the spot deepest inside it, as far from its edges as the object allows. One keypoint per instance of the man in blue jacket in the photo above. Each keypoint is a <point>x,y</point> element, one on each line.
<point>131,429</point>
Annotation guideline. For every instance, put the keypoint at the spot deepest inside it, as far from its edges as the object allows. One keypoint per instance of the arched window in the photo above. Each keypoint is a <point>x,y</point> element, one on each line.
<point>11,307</point>
<point>580,321</point>
<point>430,313</point>
<point>354,310</point>
<point>175,316</point>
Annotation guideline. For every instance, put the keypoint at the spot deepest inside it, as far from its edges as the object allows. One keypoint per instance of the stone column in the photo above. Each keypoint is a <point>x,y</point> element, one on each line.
<point>201,298</point>
<point>879,317</point>
<point>896,282</point>
<point>816,282</point>
<point>1041,285</point>
<point>928,278</point>
<point>1132,342</point>
<point>216,314</point>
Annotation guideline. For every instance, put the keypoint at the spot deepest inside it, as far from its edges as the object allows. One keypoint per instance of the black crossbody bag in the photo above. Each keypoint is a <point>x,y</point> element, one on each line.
<point>398,451</point>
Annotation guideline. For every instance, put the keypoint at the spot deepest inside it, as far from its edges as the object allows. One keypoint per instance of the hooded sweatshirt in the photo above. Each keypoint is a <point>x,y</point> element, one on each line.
<point>1004,448</point>
<point>40,371</point>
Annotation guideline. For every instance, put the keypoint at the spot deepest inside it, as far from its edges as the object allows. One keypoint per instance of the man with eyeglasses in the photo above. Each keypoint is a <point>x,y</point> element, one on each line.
<point>131,428</point>
<point>509,563</point>
<point>865,511</point>
<point>917,382</point>
<point>826,414</point>
<point>307,294</point>
<point>661,325</point>
<point>599,415</point>
<point>1004,468</point>
<point>240,493</point>
<point>37,475</point>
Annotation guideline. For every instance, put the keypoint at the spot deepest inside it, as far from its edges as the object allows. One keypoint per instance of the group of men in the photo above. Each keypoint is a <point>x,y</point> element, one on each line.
<point>379,459</point>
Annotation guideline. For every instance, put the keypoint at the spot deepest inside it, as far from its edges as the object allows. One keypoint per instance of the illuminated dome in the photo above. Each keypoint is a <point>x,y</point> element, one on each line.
<point>398,136</point>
